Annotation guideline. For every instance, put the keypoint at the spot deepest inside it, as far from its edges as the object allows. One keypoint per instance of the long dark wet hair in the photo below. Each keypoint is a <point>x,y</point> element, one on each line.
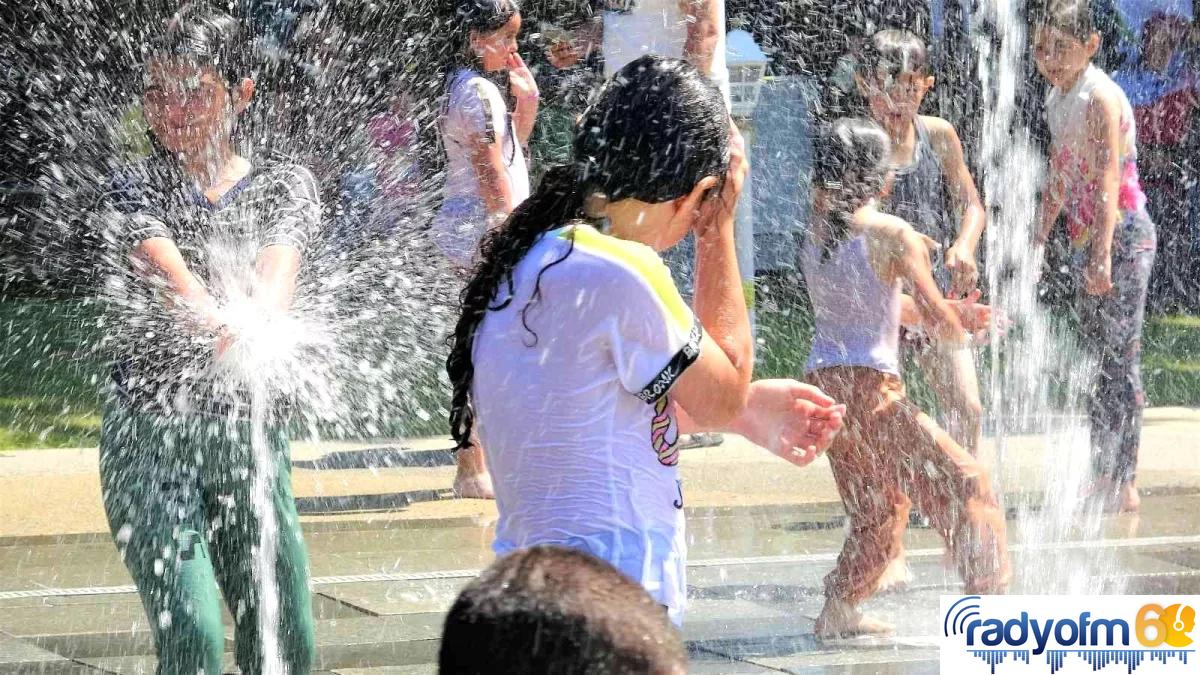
<point>852,158</point>
<point>657,128</point>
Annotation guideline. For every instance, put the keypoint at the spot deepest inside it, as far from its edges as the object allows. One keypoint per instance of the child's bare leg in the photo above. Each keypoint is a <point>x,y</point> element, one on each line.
<point>1113,329</point>
<point>950,372</point>
<point>897,574</point>
<point>472,481</point>
<point>953,490</point>
<point>866,479</point>
<point>841,619</point>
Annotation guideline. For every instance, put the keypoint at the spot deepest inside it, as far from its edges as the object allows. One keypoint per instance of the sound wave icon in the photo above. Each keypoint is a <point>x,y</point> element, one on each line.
<point>959,613</point>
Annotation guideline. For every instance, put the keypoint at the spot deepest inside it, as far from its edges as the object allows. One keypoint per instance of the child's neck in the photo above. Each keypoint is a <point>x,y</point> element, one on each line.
<point>904,141</point>
<point>216,173</point>
<point>1070,82</point>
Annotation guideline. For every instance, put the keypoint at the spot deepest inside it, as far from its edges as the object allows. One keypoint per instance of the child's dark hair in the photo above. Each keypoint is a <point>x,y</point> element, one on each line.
<point>657,128</point>
<point>549,609</point>
<point>852,158</point>
<point>892,52</point>
<point>1073,17</point>
<point>207,36</point>
<point>479,17</point>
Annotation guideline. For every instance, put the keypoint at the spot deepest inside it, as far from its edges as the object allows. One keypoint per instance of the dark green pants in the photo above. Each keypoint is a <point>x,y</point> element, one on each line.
<point>177,492</point>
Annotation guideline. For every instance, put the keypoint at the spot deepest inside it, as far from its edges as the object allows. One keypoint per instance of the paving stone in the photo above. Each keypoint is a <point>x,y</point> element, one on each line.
<point>19,656</point>
<point>401,640</point>
<point>398,597</point>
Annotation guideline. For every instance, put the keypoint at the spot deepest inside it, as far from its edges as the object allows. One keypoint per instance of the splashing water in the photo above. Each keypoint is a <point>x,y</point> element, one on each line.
<point>1039,373</point>
<point>263,360</point>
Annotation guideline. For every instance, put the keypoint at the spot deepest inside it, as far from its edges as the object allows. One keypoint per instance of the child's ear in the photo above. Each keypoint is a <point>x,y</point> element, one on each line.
<point>1093,44</point>
<point>930,80</point>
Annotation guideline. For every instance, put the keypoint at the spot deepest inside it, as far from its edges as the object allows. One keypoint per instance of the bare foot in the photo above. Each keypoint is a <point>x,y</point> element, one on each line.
<point>1128,498</point>
<point>895,577</point>
<point>839,619</point>
<point>1115,497</point>
<point>478,486</point>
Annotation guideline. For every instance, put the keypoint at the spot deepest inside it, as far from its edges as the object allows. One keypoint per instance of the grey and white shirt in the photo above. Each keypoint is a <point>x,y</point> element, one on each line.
<point>161,363</point>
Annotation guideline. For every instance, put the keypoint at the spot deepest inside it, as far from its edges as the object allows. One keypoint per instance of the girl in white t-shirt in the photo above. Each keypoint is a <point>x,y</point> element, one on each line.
<point>576,355</point>
<point>486,174</point>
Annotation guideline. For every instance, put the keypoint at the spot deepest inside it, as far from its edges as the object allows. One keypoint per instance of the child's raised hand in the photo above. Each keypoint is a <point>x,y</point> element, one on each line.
<point>520,79</point>
<point>973,315</point>
<point>792,420</point>
<point>721,207</point>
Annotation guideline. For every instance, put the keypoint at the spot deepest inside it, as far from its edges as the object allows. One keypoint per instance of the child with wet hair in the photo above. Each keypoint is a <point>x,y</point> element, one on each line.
<point>1094,185</point>
<point>550,609</point>
<point>578,361</point>
<point>487,174</point>
<point>856,262</point>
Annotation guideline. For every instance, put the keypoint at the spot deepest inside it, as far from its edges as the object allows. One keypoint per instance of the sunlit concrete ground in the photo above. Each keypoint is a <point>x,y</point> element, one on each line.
<point>390,549</point>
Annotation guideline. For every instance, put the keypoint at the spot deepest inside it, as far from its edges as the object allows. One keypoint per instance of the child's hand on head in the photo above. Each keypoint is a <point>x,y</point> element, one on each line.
<point>720,208</point>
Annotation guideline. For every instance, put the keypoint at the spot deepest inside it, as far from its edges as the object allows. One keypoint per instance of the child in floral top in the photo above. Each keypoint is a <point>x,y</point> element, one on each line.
<point>1094,185</point>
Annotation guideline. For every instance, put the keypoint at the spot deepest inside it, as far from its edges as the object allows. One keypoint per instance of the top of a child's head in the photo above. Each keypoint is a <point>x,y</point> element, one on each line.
<point>1073,18</point>
<point>893,52</point>
<point>485,16</point>
<point>852,156</point>
<point>550,609</point>
<point>657,128</point>
<point>204,35</point>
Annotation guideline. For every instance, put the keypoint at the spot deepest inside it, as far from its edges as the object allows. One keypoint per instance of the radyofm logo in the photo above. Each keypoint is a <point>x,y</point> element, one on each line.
<point>1068,634</point>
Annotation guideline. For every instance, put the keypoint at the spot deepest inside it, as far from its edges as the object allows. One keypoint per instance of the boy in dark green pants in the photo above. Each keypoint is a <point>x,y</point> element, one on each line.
<point>194,226</point>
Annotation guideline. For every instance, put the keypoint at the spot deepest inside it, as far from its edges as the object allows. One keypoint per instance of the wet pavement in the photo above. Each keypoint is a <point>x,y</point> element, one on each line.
<point>390,550</point>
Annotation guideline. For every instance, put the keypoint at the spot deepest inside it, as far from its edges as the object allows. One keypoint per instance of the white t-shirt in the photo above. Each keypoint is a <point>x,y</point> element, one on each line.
<point>633,28</point>
<point>581,437</point>
<point>474,107</point>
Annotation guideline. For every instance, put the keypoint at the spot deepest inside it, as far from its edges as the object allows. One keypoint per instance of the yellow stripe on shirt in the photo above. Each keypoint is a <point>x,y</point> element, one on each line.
<point>641,259</point>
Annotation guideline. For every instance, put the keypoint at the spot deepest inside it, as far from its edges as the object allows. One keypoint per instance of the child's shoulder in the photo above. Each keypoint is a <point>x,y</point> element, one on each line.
<point>891,232</point>
<point>285,170</point>
<point>469,83</point>
<point>940,130</point>
<point>614,254</point>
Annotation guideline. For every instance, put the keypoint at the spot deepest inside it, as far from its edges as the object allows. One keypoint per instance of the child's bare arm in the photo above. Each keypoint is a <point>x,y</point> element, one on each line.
<point>960,259</point>
<point>1052,204</point>
<point>487,156</point>
<point>277,267</point>
<point>165,262</point>
<point>703,21</point>
<point>1104,125</point>
<point>911,264</point>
